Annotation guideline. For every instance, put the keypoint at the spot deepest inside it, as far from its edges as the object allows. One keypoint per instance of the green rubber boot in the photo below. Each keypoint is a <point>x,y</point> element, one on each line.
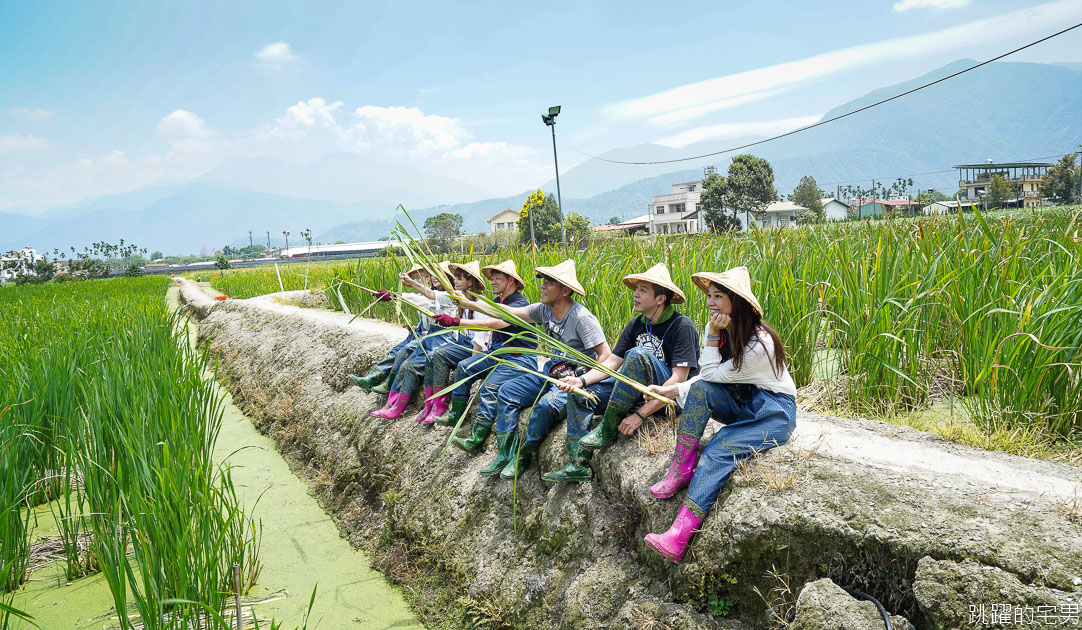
<point>478,433</point>
<point>374,377</point>
<point>520,461</point>
<point>385,386</point>
<point>505,444</point>
<point>605,432</point>
<point>450,419</point>
<point>577,468</point>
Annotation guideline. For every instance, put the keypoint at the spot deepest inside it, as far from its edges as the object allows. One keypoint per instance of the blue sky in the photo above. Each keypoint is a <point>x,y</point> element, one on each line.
<point>103,97</point>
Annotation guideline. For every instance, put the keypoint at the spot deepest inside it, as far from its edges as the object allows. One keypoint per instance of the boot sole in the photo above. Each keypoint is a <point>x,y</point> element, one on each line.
<point>663,552</point>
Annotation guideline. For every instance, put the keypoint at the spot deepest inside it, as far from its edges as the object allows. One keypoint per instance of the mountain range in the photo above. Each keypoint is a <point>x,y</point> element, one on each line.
<point>1005,111</point>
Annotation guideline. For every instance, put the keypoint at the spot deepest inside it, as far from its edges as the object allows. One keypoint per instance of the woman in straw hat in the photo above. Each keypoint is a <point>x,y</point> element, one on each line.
<point>385,368</point>
<point>506,289</point>
<point>744,383</point>
<point>659,346</point>
<point>460,345</point>
<point>409,366</point>
<point>574,325</point>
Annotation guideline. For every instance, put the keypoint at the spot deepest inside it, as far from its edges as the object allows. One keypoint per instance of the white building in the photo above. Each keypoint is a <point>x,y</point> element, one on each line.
<point>777,214</point>
<point>505,220</point>
<point>834,210</point>
<point>675,212</point>
<point>15,262</point>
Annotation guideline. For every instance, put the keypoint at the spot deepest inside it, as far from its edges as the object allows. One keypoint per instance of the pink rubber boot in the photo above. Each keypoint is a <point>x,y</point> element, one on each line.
<point>673,543</point>
<point>398,408</point>
<point>428,406</point>
<point>391,397</point>
<point>439,407</point>
<point>682,469</point>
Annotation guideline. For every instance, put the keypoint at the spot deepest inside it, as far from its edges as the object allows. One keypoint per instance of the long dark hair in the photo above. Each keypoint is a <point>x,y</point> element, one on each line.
<point>744,331</point>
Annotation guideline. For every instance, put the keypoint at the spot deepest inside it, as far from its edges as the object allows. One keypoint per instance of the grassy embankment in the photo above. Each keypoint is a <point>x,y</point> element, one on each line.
<point>961,325</point>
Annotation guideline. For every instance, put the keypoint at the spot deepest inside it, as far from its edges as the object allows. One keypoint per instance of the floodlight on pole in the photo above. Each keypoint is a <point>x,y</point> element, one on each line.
<point>550,120</point>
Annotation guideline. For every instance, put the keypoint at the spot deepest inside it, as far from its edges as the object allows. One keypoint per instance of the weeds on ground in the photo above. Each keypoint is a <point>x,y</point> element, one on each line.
<point>783,471</point>
<point>780,600</point>
<point>657,435</point>
<point>486,613</point>
<point>1071,508</point>
<point>643,620</point>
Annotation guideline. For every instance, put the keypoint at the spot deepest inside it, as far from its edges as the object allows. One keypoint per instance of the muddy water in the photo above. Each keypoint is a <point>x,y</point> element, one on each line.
<point>301,551</point>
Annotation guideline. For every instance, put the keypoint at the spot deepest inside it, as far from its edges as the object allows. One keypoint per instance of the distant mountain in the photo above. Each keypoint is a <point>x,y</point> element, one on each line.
<point>1004,111</point>
<point>195,216</point>
<point>15,227</point>
<point>342,178</point>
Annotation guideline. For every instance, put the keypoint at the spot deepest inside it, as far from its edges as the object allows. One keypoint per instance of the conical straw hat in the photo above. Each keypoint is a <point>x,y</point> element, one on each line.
<point>507,268</point>
<point>445,267</point>
<point>657,275</point>
<point>564,273</point>
<point>414,269</point>
<point>472,269</point>
<point>736,280</point>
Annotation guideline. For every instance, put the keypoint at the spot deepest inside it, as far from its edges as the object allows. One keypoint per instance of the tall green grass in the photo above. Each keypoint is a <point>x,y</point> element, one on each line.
<point>117,433</point>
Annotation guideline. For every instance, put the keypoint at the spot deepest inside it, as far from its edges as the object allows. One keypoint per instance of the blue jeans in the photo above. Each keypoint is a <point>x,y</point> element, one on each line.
<point>490,388</point>
<point>516,394</point>
<point>579,410</point>
<point>444,360</point>
<point>639,365</point>
<point>412,369</point>
<point>759,423</point>
<point>388,361</point>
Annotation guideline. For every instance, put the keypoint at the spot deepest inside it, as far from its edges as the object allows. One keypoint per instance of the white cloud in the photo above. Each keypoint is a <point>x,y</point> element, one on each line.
<point>736,130</point>
<point>17,143</point>
<point>278,52</point>
<point>905,5</point>
<point>687,102</point>
<point>186,132</point>
<point>406,129</point>
<point>33,113</point>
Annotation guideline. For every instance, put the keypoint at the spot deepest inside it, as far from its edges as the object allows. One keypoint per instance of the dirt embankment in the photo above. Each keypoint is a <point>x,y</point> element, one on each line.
<point>929,528</point>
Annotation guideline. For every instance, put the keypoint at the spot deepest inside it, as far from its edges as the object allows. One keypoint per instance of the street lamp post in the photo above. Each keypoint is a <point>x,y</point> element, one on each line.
<point>550,120</point>
<point>286,233</point>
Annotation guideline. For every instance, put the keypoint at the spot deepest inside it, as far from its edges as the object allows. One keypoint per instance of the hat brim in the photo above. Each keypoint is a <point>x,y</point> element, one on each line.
<point>632,280</point>
<point>546,272</point>
<point>488,274</point>
<point>465,270</point>
<point>703,280</point>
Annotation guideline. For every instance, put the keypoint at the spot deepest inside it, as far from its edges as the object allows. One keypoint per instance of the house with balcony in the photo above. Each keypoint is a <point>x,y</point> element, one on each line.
<point>777,214</point>
<point>505,220</point>
<point>675,212</point>
<point>1024,176</point>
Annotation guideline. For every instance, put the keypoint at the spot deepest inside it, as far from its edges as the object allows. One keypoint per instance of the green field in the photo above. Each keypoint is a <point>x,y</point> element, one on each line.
<point>108,430</point>
<point>899,313</point>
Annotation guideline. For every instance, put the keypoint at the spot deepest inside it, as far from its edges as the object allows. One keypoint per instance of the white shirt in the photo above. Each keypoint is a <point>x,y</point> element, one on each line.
<point>442,305</point>
<point>758,369</point>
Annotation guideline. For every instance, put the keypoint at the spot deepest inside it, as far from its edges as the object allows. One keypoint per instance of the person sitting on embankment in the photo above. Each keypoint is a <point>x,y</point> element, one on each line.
<point>382,370</point>
<point>744,383</point>
<point>573,325</point>
<point>506,289</point>
<point>461,344</point>
<point>409,369</point>
<point>659,346</point>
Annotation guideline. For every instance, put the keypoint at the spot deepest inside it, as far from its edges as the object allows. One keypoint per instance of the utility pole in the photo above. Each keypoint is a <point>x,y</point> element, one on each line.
<point>268,239</point>
<point>251,245</point>
<point>1079,198</point>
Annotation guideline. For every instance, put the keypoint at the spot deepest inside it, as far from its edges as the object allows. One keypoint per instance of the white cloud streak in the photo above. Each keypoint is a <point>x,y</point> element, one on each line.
<point>736,130</point>
<point>682,104</point>
<point>905,5</point>
<point>17,143</point>
<point>33,113</point>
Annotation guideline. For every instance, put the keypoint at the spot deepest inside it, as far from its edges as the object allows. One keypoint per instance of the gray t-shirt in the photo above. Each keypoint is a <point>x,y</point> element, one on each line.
<point>578,329</point>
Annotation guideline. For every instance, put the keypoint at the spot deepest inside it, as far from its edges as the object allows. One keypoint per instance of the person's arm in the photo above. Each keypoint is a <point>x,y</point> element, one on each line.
<point>417,286</point>
<point>493,322</point>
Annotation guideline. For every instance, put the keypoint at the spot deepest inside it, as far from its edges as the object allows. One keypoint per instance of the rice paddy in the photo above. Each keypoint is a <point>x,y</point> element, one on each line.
<point>109,421</point>
<point>882,317</point>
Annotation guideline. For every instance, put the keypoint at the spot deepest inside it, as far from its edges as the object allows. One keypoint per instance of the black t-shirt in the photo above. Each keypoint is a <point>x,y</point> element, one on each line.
<point>504,335</point>
<point>674,341</point>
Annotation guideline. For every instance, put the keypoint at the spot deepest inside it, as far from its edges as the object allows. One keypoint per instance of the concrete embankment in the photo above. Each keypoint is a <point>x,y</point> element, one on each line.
<point>929,528</point>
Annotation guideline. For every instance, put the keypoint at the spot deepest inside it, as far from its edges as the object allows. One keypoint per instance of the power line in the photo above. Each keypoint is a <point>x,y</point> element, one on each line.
<point>840,116</point>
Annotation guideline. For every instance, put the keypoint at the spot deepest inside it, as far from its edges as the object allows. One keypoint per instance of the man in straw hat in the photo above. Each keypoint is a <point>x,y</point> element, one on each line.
<point>744,384</point>
<point>409,369</point>
<point>506,287</point>
<point>658,346</point>
<point>573,325</point>
<point>382,370</point>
